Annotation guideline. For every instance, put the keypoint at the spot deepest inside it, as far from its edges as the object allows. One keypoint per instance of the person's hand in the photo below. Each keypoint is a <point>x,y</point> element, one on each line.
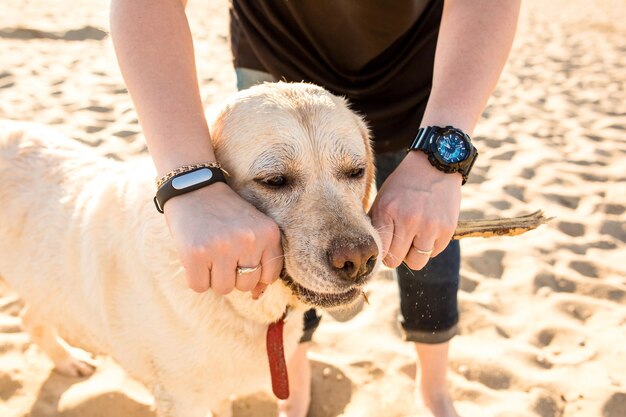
<point>215,231</point>
<point>416,209</point>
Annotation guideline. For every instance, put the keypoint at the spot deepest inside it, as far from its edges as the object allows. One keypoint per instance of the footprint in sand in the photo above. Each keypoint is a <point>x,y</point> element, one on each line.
<point>500,204</point>
<point>585,268</point>
<point>527,173</point>
<point>577,309</point>
<point>488,264</point>
<point>615,405</point>
<point>603,245</point>
<point>560,337</point>
<point>571,228</point>
<point>8,385</point>
<point>468,284</point>
<point>6,79</point>
<point>472,214</point>
<point>578,249</point>
<point>515,191</point>
<point>82,34</point>
<point>489,374</point>
<point>476,178</point>
<point>549,280</point>
<point>614,228</point>
<point>504,156</point>
<point>84,399</point>
<point>586,163</point>
<point>593,177</point>
<point>546,403</point>
<point>93,129</point>
<point>617,209</point>
<point>563,346</point>
<point>569,201</point>
<point>125,133</point>
<point>331,390</point>
<point>98,109</point>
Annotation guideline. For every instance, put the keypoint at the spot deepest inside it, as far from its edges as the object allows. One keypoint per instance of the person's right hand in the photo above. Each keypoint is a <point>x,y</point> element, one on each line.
<point>215,231</point>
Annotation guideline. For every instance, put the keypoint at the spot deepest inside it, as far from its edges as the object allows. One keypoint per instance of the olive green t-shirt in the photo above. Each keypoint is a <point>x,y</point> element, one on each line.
<point>377,53</point>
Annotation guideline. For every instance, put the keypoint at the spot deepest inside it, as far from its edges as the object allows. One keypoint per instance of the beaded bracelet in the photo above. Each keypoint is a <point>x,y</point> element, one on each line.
<point>187,168</point>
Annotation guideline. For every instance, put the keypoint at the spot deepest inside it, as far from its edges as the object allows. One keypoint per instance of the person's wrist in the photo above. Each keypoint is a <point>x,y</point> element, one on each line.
<point>419,165</point>
<point>214,191</point>
<point>443,114</point>
<point>209,189</point>
<point>194,150</point>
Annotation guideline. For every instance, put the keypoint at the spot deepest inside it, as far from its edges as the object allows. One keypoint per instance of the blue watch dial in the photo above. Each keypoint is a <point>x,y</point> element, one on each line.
<point>452,148</point>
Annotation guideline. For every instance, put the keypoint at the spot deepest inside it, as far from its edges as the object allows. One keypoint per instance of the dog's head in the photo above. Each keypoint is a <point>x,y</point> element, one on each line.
<point>301,156</point>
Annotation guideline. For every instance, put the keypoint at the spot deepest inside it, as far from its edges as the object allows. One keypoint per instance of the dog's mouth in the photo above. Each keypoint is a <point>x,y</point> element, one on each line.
<point>319,299</point>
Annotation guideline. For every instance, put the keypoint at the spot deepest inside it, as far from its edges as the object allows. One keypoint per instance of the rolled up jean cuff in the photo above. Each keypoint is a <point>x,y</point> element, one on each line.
<point>428,337</point>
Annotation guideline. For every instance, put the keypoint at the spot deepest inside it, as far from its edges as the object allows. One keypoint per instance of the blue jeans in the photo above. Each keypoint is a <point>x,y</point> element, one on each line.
<point>428,298</point>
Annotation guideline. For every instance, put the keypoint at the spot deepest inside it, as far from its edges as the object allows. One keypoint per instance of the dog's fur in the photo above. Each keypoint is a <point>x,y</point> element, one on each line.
<point>81,241</point>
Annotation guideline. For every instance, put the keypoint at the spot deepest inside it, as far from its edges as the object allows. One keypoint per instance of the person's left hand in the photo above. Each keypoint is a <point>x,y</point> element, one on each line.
<point>416,209</point>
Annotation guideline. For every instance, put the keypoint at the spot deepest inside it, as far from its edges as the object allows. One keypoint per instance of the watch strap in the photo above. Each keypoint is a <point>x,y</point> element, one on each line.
<point>186,182</point>
<point>422,139</point>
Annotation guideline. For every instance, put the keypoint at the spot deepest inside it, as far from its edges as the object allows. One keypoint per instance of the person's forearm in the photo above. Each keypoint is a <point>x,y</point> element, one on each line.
<point>474,41</point>
<point>154,48</point>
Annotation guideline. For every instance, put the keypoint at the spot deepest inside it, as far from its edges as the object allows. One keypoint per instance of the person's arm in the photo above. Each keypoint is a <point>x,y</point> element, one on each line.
<point>154,49</point>
<point>214,230</point>
<point>418,206</point>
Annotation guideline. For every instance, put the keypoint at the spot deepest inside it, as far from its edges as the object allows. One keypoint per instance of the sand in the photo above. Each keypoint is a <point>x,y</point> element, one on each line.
<point>543,315</point>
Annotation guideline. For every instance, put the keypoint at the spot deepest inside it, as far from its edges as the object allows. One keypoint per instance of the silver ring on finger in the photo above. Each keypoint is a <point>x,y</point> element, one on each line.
<point>424,252</point>
<point>243,270</point>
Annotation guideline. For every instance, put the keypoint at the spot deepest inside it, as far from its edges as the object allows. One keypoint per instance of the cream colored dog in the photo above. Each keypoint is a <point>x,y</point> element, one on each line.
<point>81,241</point>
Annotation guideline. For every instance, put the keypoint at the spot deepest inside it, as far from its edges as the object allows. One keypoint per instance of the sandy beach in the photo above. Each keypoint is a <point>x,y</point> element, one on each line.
<point>543,315</point>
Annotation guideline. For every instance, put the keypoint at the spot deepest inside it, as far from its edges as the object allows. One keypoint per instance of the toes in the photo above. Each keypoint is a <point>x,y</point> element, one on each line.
<point>77,363</point>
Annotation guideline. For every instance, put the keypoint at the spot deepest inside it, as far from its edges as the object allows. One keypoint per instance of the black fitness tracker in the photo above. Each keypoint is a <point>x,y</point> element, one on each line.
<point>186,182</point>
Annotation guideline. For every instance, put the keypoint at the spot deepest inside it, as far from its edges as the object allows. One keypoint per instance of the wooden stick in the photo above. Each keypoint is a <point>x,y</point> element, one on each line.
<point>511,226</point>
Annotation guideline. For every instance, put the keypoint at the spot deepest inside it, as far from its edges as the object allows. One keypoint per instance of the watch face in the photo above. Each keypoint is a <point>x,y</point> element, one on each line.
<point>452,148</point>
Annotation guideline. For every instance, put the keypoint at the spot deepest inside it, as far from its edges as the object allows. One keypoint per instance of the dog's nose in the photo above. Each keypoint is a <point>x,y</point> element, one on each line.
<point>351,261</point>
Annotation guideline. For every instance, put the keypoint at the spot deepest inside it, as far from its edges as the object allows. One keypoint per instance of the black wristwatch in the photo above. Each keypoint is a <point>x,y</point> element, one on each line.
<point>449,149</point>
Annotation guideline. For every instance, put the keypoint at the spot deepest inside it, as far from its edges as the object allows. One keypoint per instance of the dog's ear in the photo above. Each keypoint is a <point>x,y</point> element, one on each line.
<point>370,169</point>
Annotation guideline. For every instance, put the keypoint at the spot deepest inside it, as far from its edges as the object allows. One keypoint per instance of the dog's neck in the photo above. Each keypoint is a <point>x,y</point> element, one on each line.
<point>269,308</point>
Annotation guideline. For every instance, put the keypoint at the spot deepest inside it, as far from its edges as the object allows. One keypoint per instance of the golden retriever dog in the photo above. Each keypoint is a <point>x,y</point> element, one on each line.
<point>81,241</point>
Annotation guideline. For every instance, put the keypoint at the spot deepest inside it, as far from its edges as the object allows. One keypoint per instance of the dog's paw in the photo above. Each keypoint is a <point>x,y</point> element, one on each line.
<point>76,363</point>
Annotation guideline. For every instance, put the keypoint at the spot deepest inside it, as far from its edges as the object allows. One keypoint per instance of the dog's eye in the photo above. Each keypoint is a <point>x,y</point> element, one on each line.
<point>277,181</point>
<point>356,173</point>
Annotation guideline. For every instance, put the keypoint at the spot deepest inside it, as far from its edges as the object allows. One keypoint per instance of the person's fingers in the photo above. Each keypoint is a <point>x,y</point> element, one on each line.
<point>272,257</point>
<point>398,249</point>
<point>385,228</point>
<point>442,243</point>
<point>419,253</point>
<point>198,276</point>
<point>248,269</point>
<point>248,280</point>
<point>223,276</point>
<point>258,291</point>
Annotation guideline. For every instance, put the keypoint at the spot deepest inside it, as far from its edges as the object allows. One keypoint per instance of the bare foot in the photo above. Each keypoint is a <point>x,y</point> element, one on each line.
<point>76,363</point>
<point>431,381</point>
<point>299,369</point>
<point>433,404</point>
